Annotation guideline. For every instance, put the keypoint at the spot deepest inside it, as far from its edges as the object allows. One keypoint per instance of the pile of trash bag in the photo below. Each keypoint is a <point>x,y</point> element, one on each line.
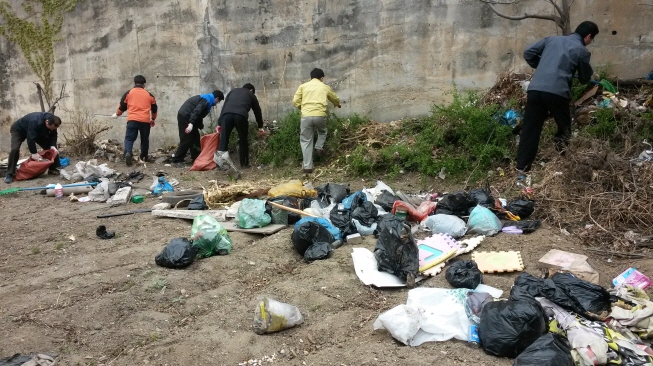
<point>396,251</point>
<point>309,234</point>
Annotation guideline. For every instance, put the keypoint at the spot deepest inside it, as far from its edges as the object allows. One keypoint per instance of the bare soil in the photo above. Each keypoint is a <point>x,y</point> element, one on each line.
<point>105,302</point>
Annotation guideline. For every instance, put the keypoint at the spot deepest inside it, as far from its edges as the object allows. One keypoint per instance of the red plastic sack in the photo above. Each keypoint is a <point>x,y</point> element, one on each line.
<point>419,214</point>
<point>31,168</point>
<point>209,145</point>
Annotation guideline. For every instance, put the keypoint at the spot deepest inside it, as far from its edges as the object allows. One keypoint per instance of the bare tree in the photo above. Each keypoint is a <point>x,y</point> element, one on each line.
<point>559,15</point>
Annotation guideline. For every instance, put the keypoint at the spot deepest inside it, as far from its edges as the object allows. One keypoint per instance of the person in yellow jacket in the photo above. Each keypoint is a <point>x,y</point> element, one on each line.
<point>311,98</point>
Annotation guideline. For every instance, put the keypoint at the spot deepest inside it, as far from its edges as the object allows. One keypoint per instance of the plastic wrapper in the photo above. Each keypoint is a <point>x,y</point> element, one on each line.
<point>293,188</point>
<point>474,304</point>
<point>482,221</point>
<point>419,214</point>
<point>273,316</point>
<point>446,224</point>
<point>354,200</point>
<point>251,214</point>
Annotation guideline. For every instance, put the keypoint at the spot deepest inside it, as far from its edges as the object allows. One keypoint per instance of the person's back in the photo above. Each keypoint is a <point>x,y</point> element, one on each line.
<point>556,59</point>
<point>139,102</point>
<point>315,95</point>
<point>240,101</point>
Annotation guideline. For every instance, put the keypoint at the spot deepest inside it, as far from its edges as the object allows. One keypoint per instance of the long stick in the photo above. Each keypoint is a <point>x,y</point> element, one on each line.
<point>123,213</point>
<point>293,210</point>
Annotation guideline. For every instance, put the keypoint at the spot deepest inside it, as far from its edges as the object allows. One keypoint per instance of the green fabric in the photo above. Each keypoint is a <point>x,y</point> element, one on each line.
<point>209,237</point>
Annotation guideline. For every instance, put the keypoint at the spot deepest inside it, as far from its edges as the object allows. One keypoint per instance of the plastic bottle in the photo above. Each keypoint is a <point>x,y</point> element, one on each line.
<point>58,191</point>
<point>473,341</point>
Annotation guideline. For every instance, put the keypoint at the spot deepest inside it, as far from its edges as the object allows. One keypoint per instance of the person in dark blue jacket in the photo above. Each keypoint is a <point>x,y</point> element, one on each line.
<point>555,59</point>
<point>189,122</point>
<point>38,128</point>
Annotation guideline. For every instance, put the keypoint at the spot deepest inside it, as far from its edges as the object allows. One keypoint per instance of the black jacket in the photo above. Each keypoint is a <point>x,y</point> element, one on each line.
<point>194,110</point>
<point>240,101</point>
<point>32,128</point>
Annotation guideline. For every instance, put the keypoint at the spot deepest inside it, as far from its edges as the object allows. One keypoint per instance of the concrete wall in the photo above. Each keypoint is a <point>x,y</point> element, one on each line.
<point>387,59</point>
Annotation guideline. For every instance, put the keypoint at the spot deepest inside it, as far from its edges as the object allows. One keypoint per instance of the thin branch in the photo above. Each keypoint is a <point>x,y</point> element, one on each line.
<point>558,9</point>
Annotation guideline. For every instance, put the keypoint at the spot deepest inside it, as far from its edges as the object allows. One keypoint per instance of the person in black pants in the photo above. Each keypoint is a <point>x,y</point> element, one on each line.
<point>38,128</point>
<point>556,60</point>
<point>234,115</point>
<point>189,122</point>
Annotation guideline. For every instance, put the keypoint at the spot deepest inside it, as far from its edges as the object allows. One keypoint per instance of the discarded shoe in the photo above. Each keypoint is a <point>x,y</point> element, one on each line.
<point>102,232</point>
<point>9,178</point>
<point>129,159</point>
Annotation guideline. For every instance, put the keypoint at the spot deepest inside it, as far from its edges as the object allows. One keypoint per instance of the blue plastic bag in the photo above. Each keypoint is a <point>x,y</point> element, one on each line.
<point>64,162</point>
<point>482,221</point>
<point>511,118</point>
<point>354,200</point>
<point>337,235</point>
<point>162,186</point>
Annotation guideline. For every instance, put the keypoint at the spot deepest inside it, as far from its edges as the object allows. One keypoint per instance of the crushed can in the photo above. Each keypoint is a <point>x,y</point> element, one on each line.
<point>473,341</point>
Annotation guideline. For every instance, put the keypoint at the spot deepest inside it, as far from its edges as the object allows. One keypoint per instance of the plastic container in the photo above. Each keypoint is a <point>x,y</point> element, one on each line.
<point>58,191</point>
<point>273,316</point>
<point>81,189</point>
<point>632,277</point>
<point>138,198</point>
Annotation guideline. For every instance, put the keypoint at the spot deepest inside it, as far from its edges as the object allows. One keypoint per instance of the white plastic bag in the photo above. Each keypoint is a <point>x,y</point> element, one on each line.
<point>430,315</point>
<point>482,221</point>
<point>380,187</point>
<point>446,224</point>
<point>101,191</point>
<point>273,316</point>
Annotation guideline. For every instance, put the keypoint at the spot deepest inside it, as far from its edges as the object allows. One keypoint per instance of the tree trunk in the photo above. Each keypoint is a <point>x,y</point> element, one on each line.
<point>40,93</point>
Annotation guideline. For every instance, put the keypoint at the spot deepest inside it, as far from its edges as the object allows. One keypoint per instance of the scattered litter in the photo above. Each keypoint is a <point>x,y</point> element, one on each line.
<point>494,292</point>
<point>307,233</point>
<point>395,250</point>
<point>435,249</point>
<point>162,186</point>
<point>179,253</point>
<point>447,224</point>
<point>138,198</point>
<point>209,237</point>
<point>491,262</point>
<point>354,239</point>
<point>482,221</point>
<point>367,270</point>
<point>293,188</point>
<point>121,196</point>
<point>251,214</point>
<point>198,203</point>
<point>273,316</point>
<point>464,274</point>
<point>102,232</point>
<point>632,277</point>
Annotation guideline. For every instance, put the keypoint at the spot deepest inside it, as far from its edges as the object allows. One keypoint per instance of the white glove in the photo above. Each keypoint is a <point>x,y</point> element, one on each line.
<point>54,148</point>
<point>114,116</point>
<point>189,128</point>
<point>36,157</point>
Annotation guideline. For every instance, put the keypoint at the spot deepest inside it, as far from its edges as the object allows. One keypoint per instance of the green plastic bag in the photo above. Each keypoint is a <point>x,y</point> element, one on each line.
<point>251,214</point>
<point>209,237</point>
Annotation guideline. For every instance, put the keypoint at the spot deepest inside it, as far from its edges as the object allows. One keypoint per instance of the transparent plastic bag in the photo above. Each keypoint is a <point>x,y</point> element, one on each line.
<point>209,237</point>
<point>273,316</point>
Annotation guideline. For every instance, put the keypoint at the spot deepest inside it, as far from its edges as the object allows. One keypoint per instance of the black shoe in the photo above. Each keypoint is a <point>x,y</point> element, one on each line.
<point>102,232</point>
<point>129,159</point>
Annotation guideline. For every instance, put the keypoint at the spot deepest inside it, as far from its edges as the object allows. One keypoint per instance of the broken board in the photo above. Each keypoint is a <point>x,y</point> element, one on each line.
<point>497,262</point>
<point>190,214</point>
<point>265,230</point>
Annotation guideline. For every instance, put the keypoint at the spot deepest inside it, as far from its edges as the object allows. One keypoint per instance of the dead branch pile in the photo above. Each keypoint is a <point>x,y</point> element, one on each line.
<point>603,197</point>
<point>220,195</point>
<point>508,88</point>
<point>81,133</point>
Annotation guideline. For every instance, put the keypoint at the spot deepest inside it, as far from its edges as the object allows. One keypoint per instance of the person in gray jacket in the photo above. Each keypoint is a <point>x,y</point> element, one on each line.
<point>556,60</point>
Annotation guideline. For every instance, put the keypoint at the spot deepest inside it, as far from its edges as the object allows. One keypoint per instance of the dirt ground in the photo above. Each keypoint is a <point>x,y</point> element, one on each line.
<point>105,302</point>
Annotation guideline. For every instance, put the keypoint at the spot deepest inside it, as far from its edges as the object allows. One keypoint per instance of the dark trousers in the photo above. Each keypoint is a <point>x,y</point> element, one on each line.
<point>228,122</point>
<point>187,141</point>
<point>133,129</point>
<point>538,106</point>
<point>17,140</point>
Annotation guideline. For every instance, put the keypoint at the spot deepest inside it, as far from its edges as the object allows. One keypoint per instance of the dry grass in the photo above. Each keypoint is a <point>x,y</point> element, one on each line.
<point>507,90</point>
<point>82,131</point>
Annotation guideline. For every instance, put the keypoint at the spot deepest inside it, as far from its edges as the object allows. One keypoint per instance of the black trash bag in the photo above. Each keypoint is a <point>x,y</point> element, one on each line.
<point>592,299</point>
<point>526,226</point>
<point>354,200</point>
<point>179,253</point>
<point>527,287</point>
<point>331,192</point>
<point>458,204</point>
<point>548,350</point>
<point>482,197</point>
<point>464,274</point>
<point>317,251</point>
<point>396,251</point>
<point>309,233</point>
<point>366,213</point>
<point>521,207</point>
<point>102,232</point>
<point>507,328</point>
<point>386,200</point>
<point>198,203</point>
<point>342,220</point>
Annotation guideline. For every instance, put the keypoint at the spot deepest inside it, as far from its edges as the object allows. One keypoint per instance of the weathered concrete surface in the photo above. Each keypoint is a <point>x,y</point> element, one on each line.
<point>385,58</point>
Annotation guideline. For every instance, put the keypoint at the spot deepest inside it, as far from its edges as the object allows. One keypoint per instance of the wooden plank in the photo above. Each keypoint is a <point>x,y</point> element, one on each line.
<point>266,230</point>
<point>190,214</point>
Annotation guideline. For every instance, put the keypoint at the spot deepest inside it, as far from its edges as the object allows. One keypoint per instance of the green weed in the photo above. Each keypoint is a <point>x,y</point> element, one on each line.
<point>159,284</point>
<point>605,125</point>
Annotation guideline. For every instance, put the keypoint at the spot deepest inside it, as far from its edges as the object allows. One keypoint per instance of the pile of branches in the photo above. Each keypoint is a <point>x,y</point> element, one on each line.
<point>221,195</point>
<point>601,196</point>
<point>507,89</point>
<point>81,133</point>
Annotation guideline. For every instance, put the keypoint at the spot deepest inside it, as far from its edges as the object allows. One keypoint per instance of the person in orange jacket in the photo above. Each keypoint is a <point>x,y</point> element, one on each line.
<point>141,113</point>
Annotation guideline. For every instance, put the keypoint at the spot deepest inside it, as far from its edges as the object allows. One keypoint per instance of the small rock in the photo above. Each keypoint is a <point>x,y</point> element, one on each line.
<point>305,353</point>
<point>283,351</point>
<point>97,326</point>
<point>183,291</point>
